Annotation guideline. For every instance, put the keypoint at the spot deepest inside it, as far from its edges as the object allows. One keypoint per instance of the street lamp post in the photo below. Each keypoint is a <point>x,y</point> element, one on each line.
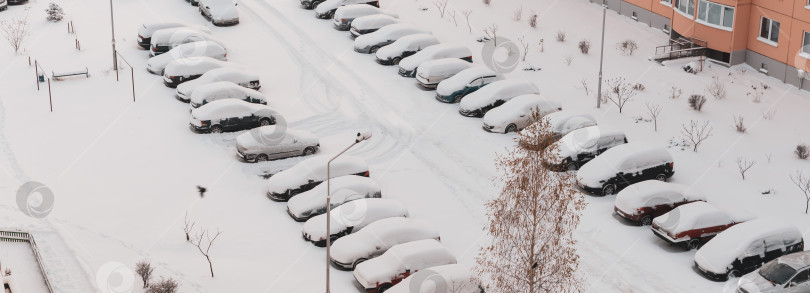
<point>601,56</point>
<point>361,136</point>
<point>112,25</point>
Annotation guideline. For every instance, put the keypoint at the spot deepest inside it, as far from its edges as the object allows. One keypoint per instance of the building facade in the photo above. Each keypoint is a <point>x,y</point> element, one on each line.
<point>772,36</point>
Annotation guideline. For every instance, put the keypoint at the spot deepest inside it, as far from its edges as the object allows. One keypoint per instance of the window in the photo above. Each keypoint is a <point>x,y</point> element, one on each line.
<point>635,15</point>
<point>716,14</point>
<point>769,30</point>
<point>801,277</point>
<point>806,43</point>
<point>686,6</point>
<point>669,2</point>
<point>763,68</point>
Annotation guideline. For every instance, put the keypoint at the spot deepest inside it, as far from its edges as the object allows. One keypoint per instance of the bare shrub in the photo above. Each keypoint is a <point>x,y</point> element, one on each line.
<point>639,87</point>
<point>204,242</point>
<point>756,93</point>
<point>561,35</point>
<point>717,89</point>
<point>452,14</point>
<point>467,14</point>
<point>619,92</point>
<point>696,102</point>
<point>517,15</point>
<point>568,59</point>
<point>696,133</point>
<point>15,31</point>
<point>487,2</point>
<point>802,151</point>
<point>144,269</point>
<point>441,6</point>
<point>743,165</point>
<point>768,156</point>
<point>654,110</point>
<point>163,286</point>
<point>492,33</point>
<point>533,20</point>
<point>627,47</point>
<point>769,113</point>
<point>739,124</point>
<point>675,93</point>
<point>525,45</point>
<point>584,83</point>
<point>802,181</point>
<point>188,227</point>
<point>584,46</point>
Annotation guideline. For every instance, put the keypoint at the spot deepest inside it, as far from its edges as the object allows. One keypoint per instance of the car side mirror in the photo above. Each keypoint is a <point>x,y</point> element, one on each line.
<point>522,115</point>
<point>793,284</point>
<point>206,7</point>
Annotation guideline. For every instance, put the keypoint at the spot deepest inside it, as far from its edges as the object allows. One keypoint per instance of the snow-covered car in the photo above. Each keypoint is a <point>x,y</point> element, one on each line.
<point>430,73</point>
<point>235,75</point>
<point>147,29</point>
<point>582,145</point>
<point>344,189</point>
<point>309,173</point>
<point>564,122</point>
<point>477,104</point>
<point>370,43</point>
<point>691,225</point>
<point>624,165</point>
<point>221,90</point>
<point>350,217</point>
<point>220,12</point>
<point>517,113</point>
<point>789,274</point>
<point>193,2</point>
<point>345,15</point>
<point>164,40</point>
<point>156,64</point>
<point>326,9</point>
<point>272,143</point>
<point>3,5</point>
<point>454,278</point>
<point>403,47</point>
<point>409,65</point>
<point>743,248</point>
<point>231,115</point>
<point>383,272</point>
<point>453,89</point>
<point>640,203</point>
<point>376,238</point>
<point>182,70</point>
<point>370,23</point>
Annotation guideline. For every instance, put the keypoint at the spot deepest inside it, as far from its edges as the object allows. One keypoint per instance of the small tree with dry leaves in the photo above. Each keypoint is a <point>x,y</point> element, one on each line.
<point>696,133</point>
<point>163,286</point>
<point>15,31</point>
<point>743,164</point>
<point>802,181</point>
<point>619,92</point>
<point>204,242</point>
<point>654,110</point>
<point>144,269</point>
<point>531,223</point>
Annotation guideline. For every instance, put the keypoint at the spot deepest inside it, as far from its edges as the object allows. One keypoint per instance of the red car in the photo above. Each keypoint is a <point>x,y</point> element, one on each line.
<point>640,203</point>
<point>693,224</point>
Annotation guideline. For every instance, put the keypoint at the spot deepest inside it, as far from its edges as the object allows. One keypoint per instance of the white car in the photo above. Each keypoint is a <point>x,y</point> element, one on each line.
<point>179,71</point>
<point>517,113</point>
<point>453,89</point>
<point>309,173</point>
<point>642,202</point>
<point>408,66</point>
<point>220,12</point>
<point>273,142</point>
<point>211,49</point>
<point>238,76</point>
<point>345,15</point>
<point>344,189</point>
<point>378,237</point>
<point>561,123</point>
<point>454,278</point>
<point>164,40</point>
<point>477,104</point>
<point>221,90</point>
<point>381,273</point>
<point>430,73</point>
<point>326,9</point>
<point>403,47</point>
<point>370,23</point>
<point>147,29</point>
<point>624,165</point>
<point>370,43</point>
<point>350,217</point>
<point>582,145</point>
<point>231,115</point>
<point>786,274</point>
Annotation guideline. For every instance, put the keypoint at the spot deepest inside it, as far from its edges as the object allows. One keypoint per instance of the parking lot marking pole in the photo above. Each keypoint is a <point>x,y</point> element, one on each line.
<point>36,72</point>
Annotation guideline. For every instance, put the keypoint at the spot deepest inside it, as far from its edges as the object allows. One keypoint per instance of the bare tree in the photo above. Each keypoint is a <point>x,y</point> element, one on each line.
<point>205,246</point>
<point>452,14</point>
<point>532,222</point>
<point>467,17</point>
<point>441,5</point>
<point>675,93</point>
<point>743,165</point>
<point>584,83</point>
<point>619,92</point>
<point>697,133</point>
<point>739,124</point>
<point>492,32</point>
<point>525,44</point>
<point>717,89</point>
<point>163,286</point>
<point>653,110</point>
<point>517,15</point>
<point>188,227</point>
<point>15,30</point>
<point>802,181</point>
<point>144,269</point>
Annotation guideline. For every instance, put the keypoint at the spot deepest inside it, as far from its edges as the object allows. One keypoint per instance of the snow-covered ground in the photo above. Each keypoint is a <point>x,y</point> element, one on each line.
<point>124,174</point>
<point>20,260</point>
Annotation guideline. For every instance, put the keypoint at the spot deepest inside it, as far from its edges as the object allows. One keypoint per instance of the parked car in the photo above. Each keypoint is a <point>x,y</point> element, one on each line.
<point>370,23</point>
<point>383,272</point>
<point>3,5</point>
<point>238,76</point>
<point>495,94</point>
<point>221,90</point>
<point>347,188</point>
<point>788,273</point>
<point>457,279</point>
<point>404,47</point>
<point>350,217</point>
<point>156,64</point>
<point>272,143</point>
<point>693,224</point>
<point>559,124</point>
<point>640,203</point>
<point>743,248</point>
<point>193,2</point>
<point>326,9</point>
<point>378,237</point>
<point>345,15</point>
<point>453,89</point>
<point>517,113</point>
<point>147,29</point>
<point>231,115</point>
<point>17,2</point>
<point>164,40</point>
<point>409,65</point>
<point>220,12</point>
<point>370,43</point>
<point>430,73</point>
<point>309,173</point>
<point>582,145</point>
<point>623,165</point>
<point>182,70</point>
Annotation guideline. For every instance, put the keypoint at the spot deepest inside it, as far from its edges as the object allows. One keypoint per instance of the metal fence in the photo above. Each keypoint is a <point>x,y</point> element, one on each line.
<point>20,236</point>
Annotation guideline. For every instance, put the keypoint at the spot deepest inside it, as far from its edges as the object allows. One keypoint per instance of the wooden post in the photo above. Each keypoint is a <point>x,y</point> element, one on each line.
<point>132,70</point>
<point>36,72</point>
<point>50,98</point>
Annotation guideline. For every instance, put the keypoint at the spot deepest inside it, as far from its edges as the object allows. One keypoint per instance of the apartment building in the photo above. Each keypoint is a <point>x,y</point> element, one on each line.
<point>770,35</point>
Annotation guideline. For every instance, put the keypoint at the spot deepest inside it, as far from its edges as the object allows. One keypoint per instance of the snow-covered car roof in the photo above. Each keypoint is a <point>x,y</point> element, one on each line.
<point>692,216</point>
<point>229,108</point>
<point>563,122</point>
<point>380,236</point>
<point>796,260</point>
<point>314,168</point>
<point>627,157</point>
<point>457,277</point>
<point>413,256</point>
<point>410,42</point>
<point>442,67</point>
<point>223,90</point>
<point>344,189</point>
<point>584,139</point>
<point>373,21</point>
<point>356,10</point>
<point>520,105</point>
<point>221,9</point>
<point>147,29</point>
<point>189,50</point>
<point>356,214</point>
<point>193,66</point>
<point>499,90</point>
<point>654,192</point>
<point>273,135</point>
<point>231,74</point>
<point>437,51</point>
<point>746,239</point>
<point>180,35</point>
<point>388,32</point>
<point>463,78</point>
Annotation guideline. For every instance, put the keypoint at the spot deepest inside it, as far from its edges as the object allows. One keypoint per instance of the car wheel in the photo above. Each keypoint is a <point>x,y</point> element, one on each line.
<point>374,49</point>
<point>216,129</point>
<point>261,158</point>
<point>477,114</point>
<point>693,244</point>
<point>571,166</point>
<point>396,60</point>
<point>608,189</point>
<point>308,151</point>
<point>733,274</point>
<point>180,80</point>
<point>315,5</point>
<point>661,177</point>
<point>264,122</point>
<point>646,220</point>
<point>510,128</point>
<point>357,262</point>
<point>383,288</point>
<point>457,98</point>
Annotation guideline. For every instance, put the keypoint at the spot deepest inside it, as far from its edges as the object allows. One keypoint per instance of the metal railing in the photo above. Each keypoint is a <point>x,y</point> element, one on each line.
<point>20,236</point>
<point>681,48</point>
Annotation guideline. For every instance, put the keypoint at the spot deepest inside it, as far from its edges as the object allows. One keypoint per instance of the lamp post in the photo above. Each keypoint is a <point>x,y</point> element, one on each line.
<point>112,26</point>
<point>601,56</point>
<point>361,136</point>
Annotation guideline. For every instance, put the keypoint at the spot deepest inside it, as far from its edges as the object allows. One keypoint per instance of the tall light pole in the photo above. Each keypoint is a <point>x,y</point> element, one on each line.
<point>361,136</point>
<point>112,25</point>
<point>601,56</point>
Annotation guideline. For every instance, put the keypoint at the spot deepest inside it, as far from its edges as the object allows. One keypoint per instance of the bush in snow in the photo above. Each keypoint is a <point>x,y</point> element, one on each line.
<point>487,2</point>
<point>756,93</point>
<point>584,46</point>
<point>639,87</point>
<point>717,89</point>
<point>492,33</point>
<point>533,20</point>
<point>15,31</point>
<point>163,286</point>
<point>619,92</point>
<point>675,93</point>
<point>627,47</point>
<point>441,5</point>
<point>743,165</point>
<point>54,12</point>
<point>561,36</point>
<point>568,59</point>
<point>696,102</point>
<point>467,17</point>
<point>802,151</point>
<point>768,113</point>
<point>518,14</point>
<point>691,67</point>
<point>144,269</point>
<point>584,83</point>
<point>739,125</point>
<point>696,133</point>
<point>7,272</point>
<point>802,181</point>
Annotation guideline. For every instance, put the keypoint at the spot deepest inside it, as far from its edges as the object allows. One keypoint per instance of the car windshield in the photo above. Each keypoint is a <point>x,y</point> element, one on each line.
<point>776,272</point>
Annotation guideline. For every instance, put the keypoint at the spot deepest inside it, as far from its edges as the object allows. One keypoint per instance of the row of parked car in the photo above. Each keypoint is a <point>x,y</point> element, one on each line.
<point>219,12</point>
